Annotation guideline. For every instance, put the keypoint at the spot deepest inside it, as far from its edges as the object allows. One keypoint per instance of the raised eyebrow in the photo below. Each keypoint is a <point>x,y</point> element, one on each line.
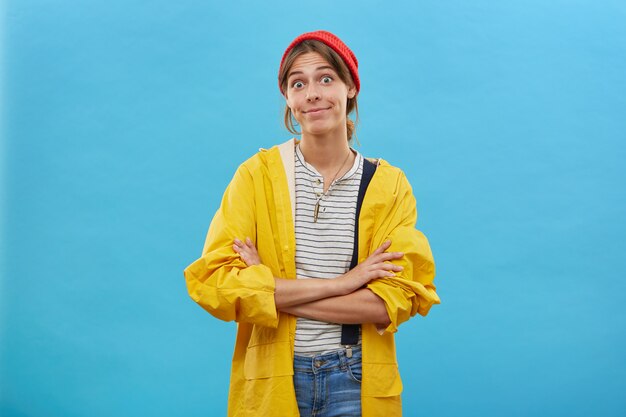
<point>324,67</point>
<point>291,74</point>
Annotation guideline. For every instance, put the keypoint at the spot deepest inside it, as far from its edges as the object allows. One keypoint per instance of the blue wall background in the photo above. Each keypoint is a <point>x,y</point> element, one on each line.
<point>123,121</point>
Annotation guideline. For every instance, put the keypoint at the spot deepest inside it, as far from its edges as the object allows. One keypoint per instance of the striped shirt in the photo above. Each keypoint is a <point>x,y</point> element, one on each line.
<point>323,248</point>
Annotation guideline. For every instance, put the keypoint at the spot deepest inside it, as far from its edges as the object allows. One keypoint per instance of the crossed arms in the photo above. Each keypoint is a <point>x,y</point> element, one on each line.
<point>235,287</point>
<point>339,300</point>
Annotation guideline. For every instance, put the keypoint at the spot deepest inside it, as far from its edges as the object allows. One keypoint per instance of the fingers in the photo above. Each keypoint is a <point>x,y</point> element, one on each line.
<point>385,269</point>
<point>242,244</point>
<point>246,250</point>
<point>381,273</point>
<point>391,267</point>
<point>382,247</point>
<point>380,251</point>
<point>386,256</point>
<point>239,247</point>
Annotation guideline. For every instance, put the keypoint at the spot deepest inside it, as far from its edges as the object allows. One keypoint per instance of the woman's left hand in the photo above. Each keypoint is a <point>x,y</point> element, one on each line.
<point>247,251</point>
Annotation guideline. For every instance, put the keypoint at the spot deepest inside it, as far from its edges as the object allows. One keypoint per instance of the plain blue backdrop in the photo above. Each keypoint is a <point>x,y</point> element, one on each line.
<point>123,121</point>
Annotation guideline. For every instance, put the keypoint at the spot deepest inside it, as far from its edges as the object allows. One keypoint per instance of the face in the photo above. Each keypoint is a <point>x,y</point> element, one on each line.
<point>316,95</point>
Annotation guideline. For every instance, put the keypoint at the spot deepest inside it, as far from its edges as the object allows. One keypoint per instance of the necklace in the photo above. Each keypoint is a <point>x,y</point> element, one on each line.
<point>316,211</point>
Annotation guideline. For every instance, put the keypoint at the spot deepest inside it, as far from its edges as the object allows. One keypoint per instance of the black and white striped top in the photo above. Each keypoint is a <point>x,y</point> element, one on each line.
<point>323,248</point>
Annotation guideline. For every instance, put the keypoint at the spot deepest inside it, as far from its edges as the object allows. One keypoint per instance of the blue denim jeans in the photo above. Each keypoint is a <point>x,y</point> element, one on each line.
<point>328,385</point>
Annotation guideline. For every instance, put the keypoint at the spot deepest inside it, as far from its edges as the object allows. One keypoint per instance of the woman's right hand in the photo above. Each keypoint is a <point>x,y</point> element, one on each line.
<point>375,266</point>
<point>247,251</point>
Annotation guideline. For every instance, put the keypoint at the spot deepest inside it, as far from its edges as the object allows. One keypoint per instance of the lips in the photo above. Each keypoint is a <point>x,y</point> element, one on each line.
<point>316,110</point>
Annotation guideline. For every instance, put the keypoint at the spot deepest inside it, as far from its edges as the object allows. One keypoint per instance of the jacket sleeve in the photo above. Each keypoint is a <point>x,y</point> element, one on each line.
<point>220,281</point>
<point>411,291</point>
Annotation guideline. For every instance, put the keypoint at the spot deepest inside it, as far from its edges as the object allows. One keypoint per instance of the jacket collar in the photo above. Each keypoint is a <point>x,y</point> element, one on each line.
<point>287,155</point>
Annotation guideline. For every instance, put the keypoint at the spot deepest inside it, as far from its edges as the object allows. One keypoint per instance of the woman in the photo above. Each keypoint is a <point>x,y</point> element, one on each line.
<point>315,254</point>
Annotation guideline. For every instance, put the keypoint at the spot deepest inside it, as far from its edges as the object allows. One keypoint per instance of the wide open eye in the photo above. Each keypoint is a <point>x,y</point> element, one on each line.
<point>297,84</point>
<point>327,79</point>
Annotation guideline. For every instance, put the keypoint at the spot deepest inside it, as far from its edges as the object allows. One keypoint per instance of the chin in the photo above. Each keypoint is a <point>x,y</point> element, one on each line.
<point>317,130</point>
<point>320,128</point>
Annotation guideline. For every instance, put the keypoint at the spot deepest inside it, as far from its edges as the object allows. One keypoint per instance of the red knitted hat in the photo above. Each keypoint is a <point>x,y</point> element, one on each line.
<point>333,42</point>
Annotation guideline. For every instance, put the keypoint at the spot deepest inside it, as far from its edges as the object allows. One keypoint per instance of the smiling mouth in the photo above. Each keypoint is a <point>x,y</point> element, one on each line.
<point>313,111</point>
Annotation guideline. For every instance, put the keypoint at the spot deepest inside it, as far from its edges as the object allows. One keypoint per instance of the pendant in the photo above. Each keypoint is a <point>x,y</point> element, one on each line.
<point>316,211</point>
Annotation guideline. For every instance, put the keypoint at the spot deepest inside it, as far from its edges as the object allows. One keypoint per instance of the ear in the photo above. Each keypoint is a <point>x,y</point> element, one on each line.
<point>352,92</point>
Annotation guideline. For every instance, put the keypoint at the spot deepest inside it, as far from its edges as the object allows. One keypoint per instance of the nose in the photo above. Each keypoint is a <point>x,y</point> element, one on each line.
<point>312,93</point>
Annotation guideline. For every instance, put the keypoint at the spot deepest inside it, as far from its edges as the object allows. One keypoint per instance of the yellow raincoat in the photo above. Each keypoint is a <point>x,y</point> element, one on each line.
<point>259,203</point>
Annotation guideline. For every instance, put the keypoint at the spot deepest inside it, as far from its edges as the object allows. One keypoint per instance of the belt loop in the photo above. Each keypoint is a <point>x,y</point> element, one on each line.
<point>343,363</point>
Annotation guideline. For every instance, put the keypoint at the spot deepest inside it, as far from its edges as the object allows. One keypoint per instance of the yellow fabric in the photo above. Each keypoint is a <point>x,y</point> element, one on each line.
<point>257,204</point>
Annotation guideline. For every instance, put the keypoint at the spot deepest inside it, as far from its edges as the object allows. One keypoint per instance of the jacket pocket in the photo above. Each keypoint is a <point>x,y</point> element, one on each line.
<point>381,380</point>
<point>268,360</point>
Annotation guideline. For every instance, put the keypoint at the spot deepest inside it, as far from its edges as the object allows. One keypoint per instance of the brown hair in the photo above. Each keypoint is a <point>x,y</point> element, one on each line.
<point>338,65</point>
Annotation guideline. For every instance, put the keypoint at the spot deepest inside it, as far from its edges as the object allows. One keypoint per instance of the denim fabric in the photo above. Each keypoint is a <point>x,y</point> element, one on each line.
<point>329,385</point>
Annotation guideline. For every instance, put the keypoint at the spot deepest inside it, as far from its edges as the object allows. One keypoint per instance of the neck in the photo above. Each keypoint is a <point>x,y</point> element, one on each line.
<point>327,152</point>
